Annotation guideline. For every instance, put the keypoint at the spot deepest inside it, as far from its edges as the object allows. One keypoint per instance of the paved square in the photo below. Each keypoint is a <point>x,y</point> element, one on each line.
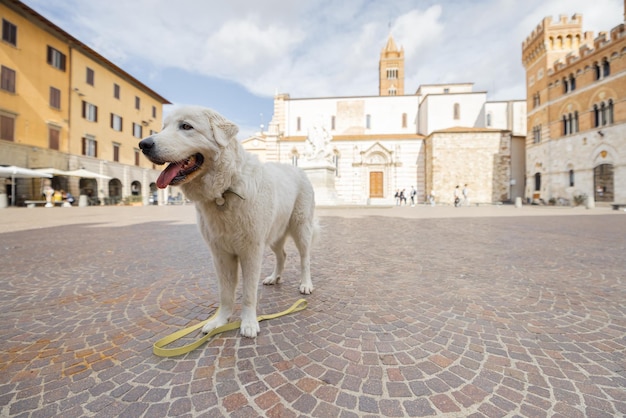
<point>417,312</point>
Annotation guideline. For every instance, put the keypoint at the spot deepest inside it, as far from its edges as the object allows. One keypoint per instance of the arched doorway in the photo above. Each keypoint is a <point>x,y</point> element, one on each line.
<point>135,188</point>
<point>537,182</point>
<point>603,183</point>
<point>115,192</point>
<point>153,199</point>
<point>89,187</point>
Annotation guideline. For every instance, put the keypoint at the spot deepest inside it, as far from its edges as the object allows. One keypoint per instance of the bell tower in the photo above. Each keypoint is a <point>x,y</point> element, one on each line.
<point>391,70</point>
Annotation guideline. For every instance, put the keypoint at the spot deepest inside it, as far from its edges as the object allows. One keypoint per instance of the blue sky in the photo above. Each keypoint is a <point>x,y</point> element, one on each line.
<point>234,56</point>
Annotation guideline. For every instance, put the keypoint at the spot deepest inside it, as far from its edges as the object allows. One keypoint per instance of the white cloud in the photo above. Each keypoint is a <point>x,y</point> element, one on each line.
<point>321,47</point>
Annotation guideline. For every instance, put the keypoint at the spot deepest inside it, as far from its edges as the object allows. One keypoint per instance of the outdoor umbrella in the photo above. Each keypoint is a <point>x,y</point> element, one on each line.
<point>86,174</point>
<point>13,172</point>
<point>53,171</point>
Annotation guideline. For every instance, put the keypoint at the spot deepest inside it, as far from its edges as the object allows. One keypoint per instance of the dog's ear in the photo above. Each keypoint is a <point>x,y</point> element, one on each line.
<point>223,129</point>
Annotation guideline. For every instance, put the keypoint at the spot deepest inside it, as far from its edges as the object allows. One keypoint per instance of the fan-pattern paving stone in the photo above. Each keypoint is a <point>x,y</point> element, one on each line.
<point>477,316</point>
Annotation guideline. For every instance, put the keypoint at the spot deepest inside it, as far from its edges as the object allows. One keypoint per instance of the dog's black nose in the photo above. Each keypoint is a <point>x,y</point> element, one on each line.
<point>146,144</point>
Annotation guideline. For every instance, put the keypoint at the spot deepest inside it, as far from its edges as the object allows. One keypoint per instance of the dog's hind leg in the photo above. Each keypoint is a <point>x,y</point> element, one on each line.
<point>226,267</point>
<point>279,251</point>
<point>250,271</point>
<point>302,235</point>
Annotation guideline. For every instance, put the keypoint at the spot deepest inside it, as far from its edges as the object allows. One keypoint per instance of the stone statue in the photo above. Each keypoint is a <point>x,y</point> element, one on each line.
<point>317,145</point>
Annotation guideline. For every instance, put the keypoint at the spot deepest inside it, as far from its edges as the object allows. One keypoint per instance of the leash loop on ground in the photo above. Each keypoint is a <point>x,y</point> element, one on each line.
<point>159,350</point>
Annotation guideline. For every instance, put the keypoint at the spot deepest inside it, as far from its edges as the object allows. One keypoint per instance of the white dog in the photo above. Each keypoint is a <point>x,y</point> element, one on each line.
<point>242,205</point>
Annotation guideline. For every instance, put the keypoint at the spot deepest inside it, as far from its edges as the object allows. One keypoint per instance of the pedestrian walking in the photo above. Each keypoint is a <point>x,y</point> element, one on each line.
<point>413,196</point>
<point>457,196</point>
<point>466,201</point>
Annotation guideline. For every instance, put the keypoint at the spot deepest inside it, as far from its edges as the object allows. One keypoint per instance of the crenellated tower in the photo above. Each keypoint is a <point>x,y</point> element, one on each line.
<point>549,43</point>
<point>391,70</point>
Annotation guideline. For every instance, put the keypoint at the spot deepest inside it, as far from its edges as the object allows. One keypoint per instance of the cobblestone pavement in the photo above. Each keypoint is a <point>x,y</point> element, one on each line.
<point>493,314</point>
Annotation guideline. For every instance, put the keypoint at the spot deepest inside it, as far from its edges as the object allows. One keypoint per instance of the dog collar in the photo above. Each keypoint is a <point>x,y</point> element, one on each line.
<point>221,200</point>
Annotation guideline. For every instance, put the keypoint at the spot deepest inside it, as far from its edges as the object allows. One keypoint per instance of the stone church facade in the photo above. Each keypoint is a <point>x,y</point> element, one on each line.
<point>441,136</point>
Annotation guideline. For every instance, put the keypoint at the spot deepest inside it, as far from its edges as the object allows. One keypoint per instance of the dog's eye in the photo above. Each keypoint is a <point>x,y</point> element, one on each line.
<point>185,126</point>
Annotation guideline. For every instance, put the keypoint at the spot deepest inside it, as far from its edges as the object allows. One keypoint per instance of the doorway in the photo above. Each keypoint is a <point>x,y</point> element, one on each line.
<point>603,183</point>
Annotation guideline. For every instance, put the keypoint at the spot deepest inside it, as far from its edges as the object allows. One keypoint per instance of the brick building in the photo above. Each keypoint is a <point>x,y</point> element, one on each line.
<point>576,91</point>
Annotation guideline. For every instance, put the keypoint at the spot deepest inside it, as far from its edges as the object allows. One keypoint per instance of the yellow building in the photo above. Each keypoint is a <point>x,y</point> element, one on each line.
<point>576,91</point>
<point>66,107</point>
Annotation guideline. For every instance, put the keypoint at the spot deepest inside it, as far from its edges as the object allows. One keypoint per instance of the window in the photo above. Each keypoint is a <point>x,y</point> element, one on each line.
<point>572,82</point>
<point>332,123</point>
<point>603,114</point>
<point>137,130</point>
<point>137,154</point>
<point>392,91</point>
<point>9,32</point>
<point>488,119</point>
<point>90,76</point>
<point>606,68</point>
<point>55,98</point>
<point>404,120</point>
<point>137,103</point>
<point>54,134</point>
<point>90,146</point>
<point>537,134</point>
<point>446,90</point>
<point>116,91</point>
<point>116,122</point>
<point>116,152</point>
<point>294,158</point>
<point>154,113</point>
<point>7,77</point>
<point>298,123</point>
<point>368,121</point>
<point>56,58</point>
<point>90,112</point>
<point>392,73</point>
<point>457,111</point>
<point>7,127</point>
<point>571,178</point>
<point>336,162</point>
<point>536,100</point>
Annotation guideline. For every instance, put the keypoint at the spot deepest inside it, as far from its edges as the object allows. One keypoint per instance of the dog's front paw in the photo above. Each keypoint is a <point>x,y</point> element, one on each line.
<point>214,323</point>
<point>306,289</point>
<point>249,328</point>
<point>270,280</point>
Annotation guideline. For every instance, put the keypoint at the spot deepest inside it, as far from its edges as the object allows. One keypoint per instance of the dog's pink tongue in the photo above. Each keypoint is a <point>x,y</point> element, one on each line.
<point>167,175</point>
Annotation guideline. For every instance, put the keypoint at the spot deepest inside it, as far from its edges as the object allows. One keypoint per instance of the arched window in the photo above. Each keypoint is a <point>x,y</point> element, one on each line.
<point>603,114</point>
<point>597,71</point>
<point>572,82</point>
<point>564,120</point>
<point>571,178</point>
<point>596,116</point>
<point>575,125</point>
<point>609,110</point>
<point>606,68</point>
<point>457,111</point>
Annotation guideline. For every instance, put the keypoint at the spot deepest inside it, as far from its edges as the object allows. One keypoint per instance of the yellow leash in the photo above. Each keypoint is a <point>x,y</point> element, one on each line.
<point>158,349</point>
